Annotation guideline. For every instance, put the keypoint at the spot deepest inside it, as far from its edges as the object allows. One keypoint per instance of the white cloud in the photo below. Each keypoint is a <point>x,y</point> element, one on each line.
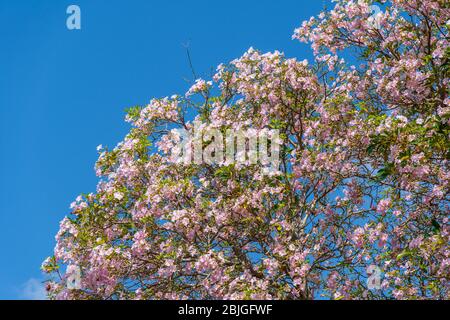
<point>33,289</point>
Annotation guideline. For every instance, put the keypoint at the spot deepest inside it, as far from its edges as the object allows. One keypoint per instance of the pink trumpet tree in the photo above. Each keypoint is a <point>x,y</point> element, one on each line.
<point>362,181</point>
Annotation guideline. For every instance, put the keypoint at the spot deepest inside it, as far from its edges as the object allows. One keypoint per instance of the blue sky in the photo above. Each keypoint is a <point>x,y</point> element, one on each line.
<point>64,92</point>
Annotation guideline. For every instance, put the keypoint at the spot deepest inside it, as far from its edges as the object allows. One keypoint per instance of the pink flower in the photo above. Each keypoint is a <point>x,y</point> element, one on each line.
<point>383,205</point>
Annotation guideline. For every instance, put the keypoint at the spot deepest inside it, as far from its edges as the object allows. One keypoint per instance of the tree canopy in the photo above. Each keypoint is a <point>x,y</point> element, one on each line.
<point>363,177</point>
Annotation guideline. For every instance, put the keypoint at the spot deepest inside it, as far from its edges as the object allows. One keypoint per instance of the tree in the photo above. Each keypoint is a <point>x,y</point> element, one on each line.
<point>362,183</point>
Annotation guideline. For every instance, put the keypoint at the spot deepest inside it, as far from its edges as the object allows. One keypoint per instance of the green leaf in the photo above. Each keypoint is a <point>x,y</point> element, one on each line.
<point>403,254</point>
<point>436,225</point>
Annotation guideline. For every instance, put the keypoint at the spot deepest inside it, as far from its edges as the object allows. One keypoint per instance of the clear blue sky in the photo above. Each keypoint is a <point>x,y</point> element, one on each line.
<point>64,92</point>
